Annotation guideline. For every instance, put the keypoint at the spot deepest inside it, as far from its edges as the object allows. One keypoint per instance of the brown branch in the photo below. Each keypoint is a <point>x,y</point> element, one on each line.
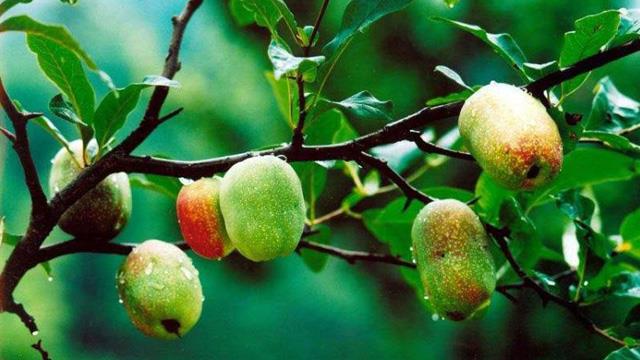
<point>431,148</point>
<point>43,353</point>
<point>500,237</point>
<point>352,256</point>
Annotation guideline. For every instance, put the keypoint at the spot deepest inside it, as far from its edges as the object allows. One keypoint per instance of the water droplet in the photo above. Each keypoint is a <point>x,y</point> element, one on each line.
<point>435,317</point>
<point>149,269</point>
<point>120,301</point>
<point>56,188</point>
<point>585,283</point>
<point>413,261</point>
<point>50,279</point>
<point>203,299</point>
<point>426,297</point>
<point>121,281</point>
<point>219,259</point>
<point>157,286</point>
<point>35,333</point>
<point>187,274</point>
<point>411,248</point>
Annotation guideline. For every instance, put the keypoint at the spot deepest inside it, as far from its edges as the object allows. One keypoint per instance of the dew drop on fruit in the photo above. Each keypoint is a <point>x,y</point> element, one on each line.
<point>50,279</point>
<point>120,301</point>
<point>149,269</point>
<point>435,317</point>
<point>35,333</point>
<point>187,274</point>
<point>157,286</point>
<point>426,297</point>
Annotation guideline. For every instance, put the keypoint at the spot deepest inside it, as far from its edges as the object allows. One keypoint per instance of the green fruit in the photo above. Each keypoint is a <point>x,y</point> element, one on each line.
<point>512,136</point>
<point>100,213</point>
<point>200,218</point>
<point>160,290</point>
<point>263,207</point>
<point>455,266</point>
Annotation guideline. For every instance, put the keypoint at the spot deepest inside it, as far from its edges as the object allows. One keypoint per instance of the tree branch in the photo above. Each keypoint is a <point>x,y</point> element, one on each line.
<point>431,148</point>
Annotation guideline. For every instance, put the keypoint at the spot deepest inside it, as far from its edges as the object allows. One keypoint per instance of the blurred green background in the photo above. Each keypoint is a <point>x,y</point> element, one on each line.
<point>281,309</point>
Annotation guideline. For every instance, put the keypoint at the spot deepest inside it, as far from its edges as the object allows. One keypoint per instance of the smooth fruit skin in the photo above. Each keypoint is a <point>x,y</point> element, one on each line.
<point>263,207</point>
<point>200,218</point>
<point>455,266</point>
<point>160,289</point>
<point>100,213</point>
<point>512,136</point>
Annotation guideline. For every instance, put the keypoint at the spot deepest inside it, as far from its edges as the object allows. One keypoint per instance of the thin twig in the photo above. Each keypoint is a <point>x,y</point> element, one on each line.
<point>43,353</point>
<point>352,256</point>
<point>431,148</point>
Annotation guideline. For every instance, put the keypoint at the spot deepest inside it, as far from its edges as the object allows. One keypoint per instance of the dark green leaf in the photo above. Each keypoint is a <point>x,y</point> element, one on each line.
<point>491,196</point>
<point>611,110</point>
<point>358,16</point>
<point>591,33</point>
<point>630,228</point>
<point>536,71</point>
<point>626,284</point>
<point>56,34</point>
<point>316,261</point>
<point>285,93</point>
<point>503,44</point>
<point>240,14</point>
<point>112,112</point>
<point>164,185</point>
<point>450,98</point>
<point>268,13</point>
<point>284,63</point>
<point>8,4</point>
<point>313,178</point>
<point>451,74</point>
<point>7,238</point>
<point>614,141</point>
<point>361,106</point>
<point>329,128</point>
<point>64,69</point>
<point>633,316</point>
<point>64,110</point>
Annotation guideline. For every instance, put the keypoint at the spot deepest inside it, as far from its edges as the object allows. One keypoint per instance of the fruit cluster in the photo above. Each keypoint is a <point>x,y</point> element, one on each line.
<point>258,209</point>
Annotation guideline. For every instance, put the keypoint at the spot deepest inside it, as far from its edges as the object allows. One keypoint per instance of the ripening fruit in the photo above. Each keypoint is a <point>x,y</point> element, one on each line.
<point>263,207</point>
<point>512,136</point>
<point>160,289</point>
<point>200,218</point>
<point>100,213</point>
<point>455,266</point>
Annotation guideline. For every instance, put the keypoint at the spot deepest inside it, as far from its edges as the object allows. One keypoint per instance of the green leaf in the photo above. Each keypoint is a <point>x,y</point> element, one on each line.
<point>64,110</point>
<point>70,2</point>
<point>240,14</point>
<point>591,33</point>
<point>268,13</point>
<point>284,63</point>
<point>629,28</point>
<point>570,133</point>
<point>159,80</point>
<point>626,284</point>
<point>450,98</point>
<point>64,69</point>
<point>313,177</point>
<point>329,128</point>
<point>357,17</point>
<point>536,71</point>
<point>316,261</point>
<point>55,34</point>
<point>50,128</point>
<point>451,74</point>
<point>502,44</point>
<point>165,185</point>
<point>604,166</point>
<point>8,4</point>
<point>624,354</point>
<point>7,238</point>
<point>285,95</point>
<point>112,112</point>
<point>630,228</point>
<point>616,142</point>
<point>361,106</point>
<point>491,196</point>
<point>612,111</point>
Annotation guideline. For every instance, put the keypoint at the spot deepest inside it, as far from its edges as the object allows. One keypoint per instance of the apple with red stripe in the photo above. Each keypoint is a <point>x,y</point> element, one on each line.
<point>200,218</point>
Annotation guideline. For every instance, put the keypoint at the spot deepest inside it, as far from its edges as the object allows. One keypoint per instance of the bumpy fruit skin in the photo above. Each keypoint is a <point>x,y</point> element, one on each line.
<point>200,218</point>
<point>100,213</point>
<point>263,207</point>
<point>512,136</point>
<point>160,289</point>
<point>450,249</point>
